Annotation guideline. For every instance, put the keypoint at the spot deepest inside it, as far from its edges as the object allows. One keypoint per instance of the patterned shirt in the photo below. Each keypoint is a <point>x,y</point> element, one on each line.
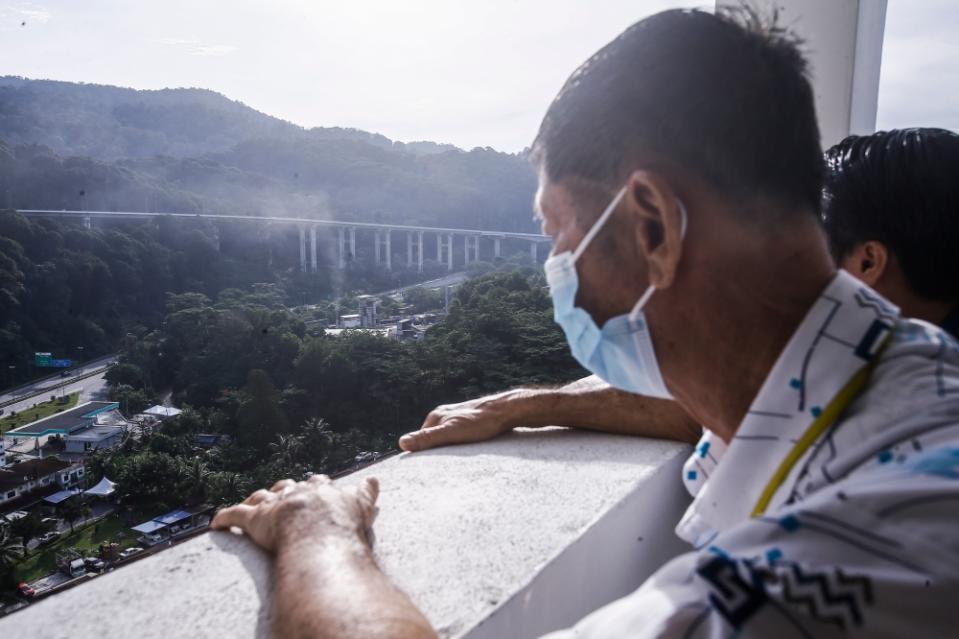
<point>860,538</point>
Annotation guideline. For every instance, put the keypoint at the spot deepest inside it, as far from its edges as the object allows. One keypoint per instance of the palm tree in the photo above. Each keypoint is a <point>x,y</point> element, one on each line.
<point>198,480</point>
<point>27,528</point>
<point>72,511</point>
<point>287,450</point>
<point>10,551</point>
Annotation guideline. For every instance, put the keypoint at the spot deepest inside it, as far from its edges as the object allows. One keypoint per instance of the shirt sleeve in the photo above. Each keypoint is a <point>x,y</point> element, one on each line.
<point>874,556</point>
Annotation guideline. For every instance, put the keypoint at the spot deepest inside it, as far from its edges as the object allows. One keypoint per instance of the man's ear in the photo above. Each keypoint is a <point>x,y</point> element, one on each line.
<point>659,229</point>
<point>867,261</point>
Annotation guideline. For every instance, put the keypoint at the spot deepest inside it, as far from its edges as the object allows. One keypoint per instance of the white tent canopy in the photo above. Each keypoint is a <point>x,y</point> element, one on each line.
<point>162,411</point>
<point>104,488</point>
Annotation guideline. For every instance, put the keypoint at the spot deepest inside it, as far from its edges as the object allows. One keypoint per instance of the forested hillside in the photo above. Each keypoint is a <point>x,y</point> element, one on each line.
<point>76,146</point>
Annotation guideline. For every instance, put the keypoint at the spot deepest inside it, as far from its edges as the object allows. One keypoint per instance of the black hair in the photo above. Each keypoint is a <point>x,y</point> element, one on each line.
<point>724,97</point>
<point>900,188</point>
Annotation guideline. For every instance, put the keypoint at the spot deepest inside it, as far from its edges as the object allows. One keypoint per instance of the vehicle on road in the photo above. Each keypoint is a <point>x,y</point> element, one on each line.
<point>49,538</point>
<point>52,521</point>
<point>129,552</point>
<point>25,590</point>
<point>94,564</point>
<point>66,374</point>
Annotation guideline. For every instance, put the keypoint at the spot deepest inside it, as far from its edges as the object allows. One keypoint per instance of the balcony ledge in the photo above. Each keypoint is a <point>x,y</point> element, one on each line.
<point>513,537</point>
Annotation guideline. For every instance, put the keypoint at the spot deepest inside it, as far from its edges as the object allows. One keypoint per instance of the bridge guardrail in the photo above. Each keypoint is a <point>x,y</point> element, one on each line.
<point>66,382</point>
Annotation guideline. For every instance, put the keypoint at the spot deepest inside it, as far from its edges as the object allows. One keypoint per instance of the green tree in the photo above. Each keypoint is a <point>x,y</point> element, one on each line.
<point>27,529</point>
<point>260,418</point>
<point>74,510</point>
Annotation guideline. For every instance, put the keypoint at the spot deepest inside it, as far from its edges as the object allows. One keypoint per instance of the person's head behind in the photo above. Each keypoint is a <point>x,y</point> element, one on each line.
<point>891,211</point>
<point>715,111</point>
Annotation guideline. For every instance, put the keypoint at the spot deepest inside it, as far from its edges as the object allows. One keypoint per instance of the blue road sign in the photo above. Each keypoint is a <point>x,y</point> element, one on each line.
<point>61,363</point>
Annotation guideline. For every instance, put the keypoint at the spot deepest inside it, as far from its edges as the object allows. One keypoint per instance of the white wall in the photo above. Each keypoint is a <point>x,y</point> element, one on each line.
<point>844,47</point>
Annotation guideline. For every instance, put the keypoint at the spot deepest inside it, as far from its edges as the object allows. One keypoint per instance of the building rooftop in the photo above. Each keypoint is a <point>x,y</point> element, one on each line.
<point>64,423</point>
<point>16,474</point>
<point>95,433</point>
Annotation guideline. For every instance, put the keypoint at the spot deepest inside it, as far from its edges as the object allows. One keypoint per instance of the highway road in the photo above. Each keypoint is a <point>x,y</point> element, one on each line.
<point>90,388</point>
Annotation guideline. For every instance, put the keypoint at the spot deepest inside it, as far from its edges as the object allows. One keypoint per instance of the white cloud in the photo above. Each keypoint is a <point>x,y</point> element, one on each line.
<point>213,50</point>
<point>195,47</point>
<point>28,13</point>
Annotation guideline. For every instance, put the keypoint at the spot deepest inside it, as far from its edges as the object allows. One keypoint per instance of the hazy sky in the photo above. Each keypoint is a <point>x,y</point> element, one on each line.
<point>474,73</point>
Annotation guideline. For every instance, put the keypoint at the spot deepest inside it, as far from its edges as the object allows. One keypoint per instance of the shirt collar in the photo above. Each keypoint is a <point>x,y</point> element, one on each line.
<point>842,330</point>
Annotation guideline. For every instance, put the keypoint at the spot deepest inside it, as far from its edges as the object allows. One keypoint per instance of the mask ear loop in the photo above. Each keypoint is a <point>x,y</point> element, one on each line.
<point>598,225</point>
<point>637,309</point>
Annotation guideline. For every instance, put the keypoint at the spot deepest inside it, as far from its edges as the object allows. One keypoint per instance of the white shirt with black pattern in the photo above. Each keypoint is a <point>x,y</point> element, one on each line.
<point>860,539</point>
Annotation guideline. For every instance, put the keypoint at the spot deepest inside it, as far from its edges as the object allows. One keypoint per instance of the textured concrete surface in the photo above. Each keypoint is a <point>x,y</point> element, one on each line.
<point>525,533</point>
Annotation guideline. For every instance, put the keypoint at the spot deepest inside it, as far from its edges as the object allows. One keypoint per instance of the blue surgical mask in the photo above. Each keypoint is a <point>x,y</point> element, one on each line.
<point>621,353</point>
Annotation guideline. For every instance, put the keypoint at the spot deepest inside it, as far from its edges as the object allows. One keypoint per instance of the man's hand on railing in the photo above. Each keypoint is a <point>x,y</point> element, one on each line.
<point>328,585</point>
<point>475,420</point>
<point>586,403</point>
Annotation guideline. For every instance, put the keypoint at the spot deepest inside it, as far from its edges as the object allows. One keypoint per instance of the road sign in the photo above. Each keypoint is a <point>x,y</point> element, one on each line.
<point>61,363</point>
<point>42,359</point>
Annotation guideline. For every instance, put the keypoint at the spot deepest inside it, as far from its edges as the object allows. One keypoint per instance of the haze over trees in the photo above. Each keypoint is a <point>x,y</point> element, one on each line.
<point>222,320</point>
<point>80,146</point>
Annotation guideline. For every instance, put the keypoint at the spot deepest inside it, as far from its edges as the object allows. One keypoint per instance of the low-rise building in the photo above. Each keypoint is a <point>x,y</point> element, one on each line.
<point>25,482</point>
<point>82,429</point>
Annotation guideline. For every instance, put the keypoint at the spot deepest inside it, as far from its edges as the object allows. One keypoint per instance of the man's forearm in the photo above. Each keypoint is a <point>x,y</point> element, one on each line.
<point>592,404</point>
<point>333,589</point>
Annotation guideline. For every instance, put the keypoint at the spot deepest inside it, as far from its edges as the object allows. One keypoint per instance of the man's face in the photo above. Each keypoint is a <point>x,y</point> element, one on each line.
<point>605,287</point>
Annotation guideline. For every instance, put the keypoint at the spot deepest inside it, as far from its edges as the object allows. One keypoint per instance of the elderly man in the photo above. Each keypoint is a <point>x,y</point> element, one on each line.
<point>680,178</point>
<point>891,215</point>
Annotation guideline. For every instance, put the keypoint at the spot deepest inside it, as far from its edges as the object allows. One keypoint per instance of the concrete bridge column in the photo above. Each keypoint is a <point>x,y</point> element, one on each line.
<point>87,222</point>
<point>496,248</point>
<point>352,243</point>
<point>419,252</point>
<point>476,249</point>
<point>409,249</point>
<point>216,236</point>
<point>376,244</point>
<point>340,248</point>
<point>389,252</point>
<point>268,238</point>
<point>439,248</point>
<point>449,252</point>
<point>313,267</point>
<point>302,250</point>
<point>532,251</point>
<point>467,240</point>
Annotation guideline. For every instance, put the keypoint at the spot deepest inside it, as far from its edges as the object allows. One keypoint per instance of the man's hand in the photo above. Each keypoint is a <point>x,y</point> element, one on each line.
<point>292,512</point>
<point>473,421</point>
<point>587,403</point>
<point>328,585</point>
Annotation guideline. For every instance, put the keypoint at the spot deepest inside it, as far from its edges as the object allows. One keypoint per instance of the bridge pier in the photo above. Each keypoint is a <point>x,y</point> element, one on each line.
<point>419,252</point>
<point>376,247</point>
<point>302,249</point>
<point>532,251</point>
<point>389,252</point>
<point>409,249</point>
<point>352,243</point>
<point>313,266</point>
<point>340,241</point>
<point>87,222</point>
<point>466,249</point>
<point>496,248</point>
<point>449,253</point>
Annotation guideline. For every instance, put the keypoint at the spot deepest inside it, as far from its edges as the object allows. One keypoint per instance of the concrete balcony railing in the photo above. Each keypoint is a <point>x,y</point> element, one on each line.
<point>509,538</point>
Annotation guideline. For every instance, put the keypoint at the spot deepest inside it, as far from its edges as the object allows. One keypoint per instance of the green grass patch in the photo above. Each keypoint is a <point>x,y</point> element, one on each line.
<point>41,410</point>
<point>85,540</point>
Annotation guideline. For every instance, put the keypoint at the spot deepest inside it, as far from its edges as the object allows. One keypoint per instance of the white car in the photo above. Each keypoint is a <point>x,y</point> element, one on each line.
<point>129,552</point>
